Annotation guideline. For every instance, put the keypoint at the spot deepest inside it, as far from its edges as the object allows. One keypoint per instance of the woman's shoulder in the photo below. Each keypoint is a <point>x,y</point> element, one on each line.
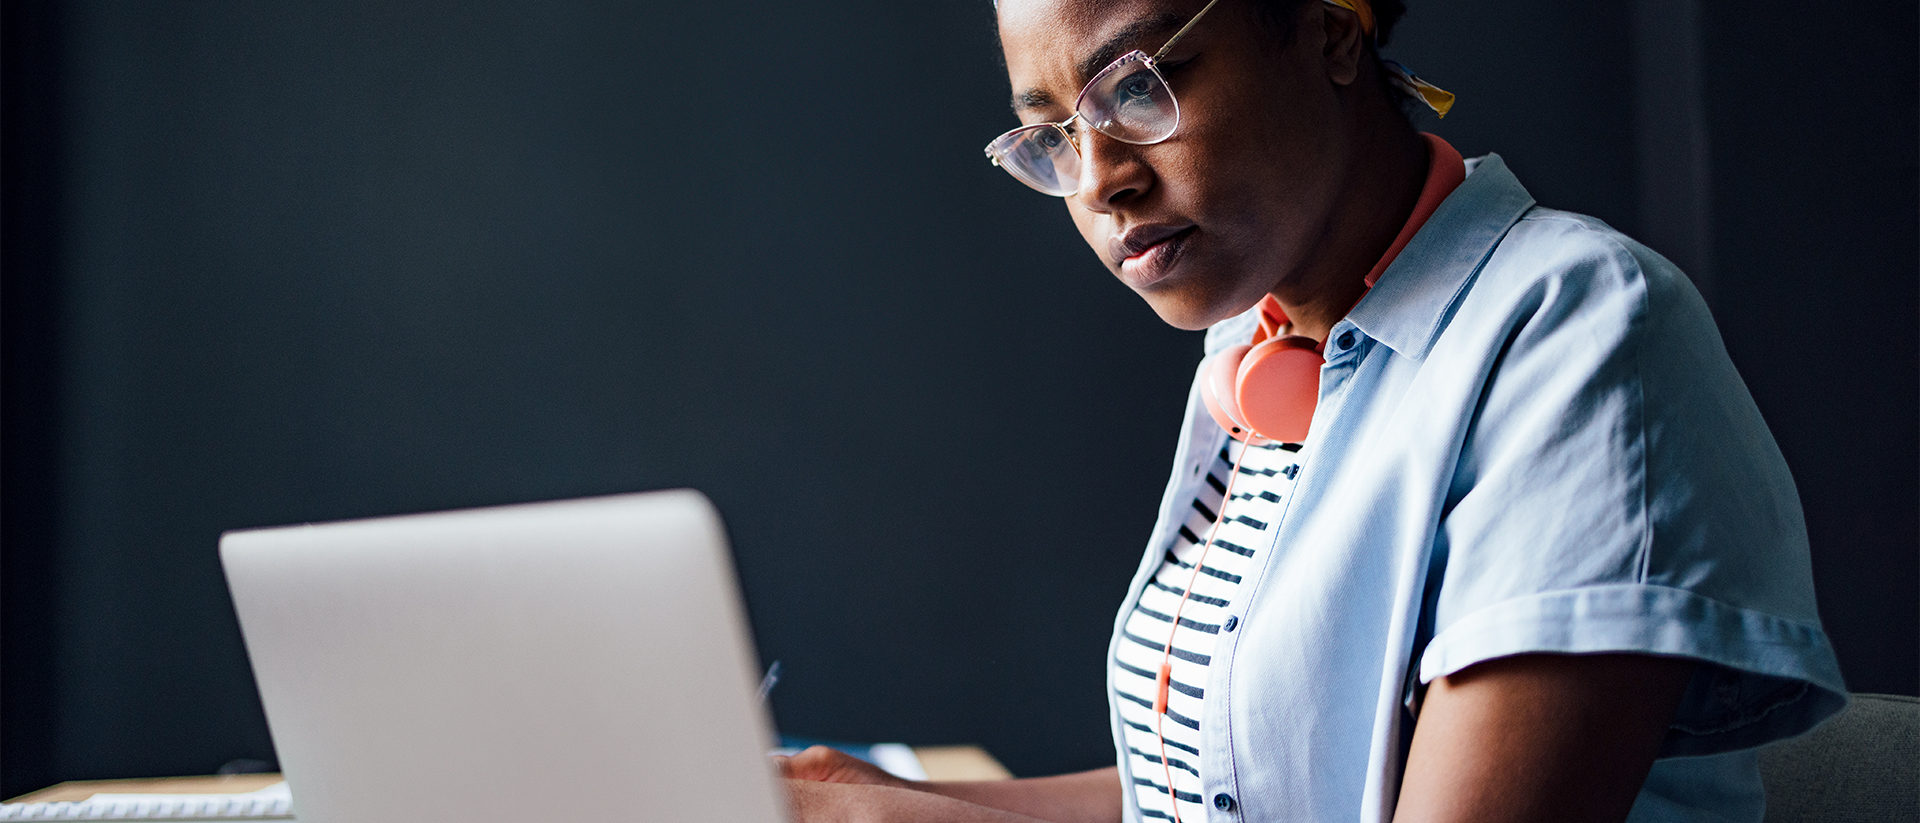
<point>1566,256</point>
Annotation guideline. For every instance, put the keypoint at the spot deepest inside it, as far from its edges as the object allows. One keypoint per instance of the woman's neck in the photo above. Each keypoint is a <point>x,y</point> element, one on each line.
<point>1387,168</point>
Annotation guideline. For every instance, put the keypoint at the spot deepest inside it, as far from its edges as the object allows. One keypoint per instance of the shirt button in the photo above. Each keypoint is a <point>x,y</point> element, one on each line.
<point>1346,341</point>
<point>1223,802</point>
<point>1231,622</point>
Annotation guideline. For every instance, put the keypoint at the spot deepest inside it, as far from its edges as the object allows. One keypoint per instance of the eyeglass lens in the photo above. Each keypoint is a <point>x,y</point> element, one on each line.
<point>1128,101</point>
<point>1040,156</point>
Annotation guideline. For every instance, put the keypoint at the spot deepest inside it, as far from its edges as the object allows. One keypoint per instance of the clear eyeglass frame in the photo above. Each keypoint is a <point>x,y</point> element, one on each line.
<point>1129,101</point>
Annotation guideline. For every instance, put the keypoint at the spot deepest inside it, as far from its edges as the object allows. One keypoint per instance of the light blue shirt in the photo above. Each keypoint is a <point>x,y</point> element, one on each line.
<point>1529,439</point>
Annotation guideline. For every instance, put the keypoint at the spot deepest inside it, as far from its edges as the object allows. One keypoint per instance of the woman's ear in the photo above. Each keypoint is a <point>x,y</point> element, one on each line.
<point>1345,44</point>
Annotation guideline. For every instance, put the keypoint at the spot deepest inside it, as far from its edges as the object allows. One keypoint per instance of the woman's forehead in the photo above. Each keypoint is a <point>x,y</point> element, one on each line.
<point>1055,46</point>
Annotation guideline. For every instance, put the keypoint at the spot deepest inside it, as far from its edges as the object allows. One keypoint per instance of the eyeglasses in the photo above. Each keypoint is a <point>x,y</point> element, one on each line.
<point>1128,101</point>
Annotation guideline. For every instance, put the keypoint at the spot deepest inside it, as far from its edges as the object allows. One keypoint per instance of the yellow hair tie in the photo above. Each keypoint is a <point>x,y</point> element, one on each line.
<point>1436,98</point>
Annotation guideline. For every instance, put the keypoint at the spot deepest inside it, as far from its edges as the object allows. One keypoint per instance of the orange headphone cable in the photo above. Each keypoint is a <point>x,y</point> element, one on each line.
<point>1165,678</point>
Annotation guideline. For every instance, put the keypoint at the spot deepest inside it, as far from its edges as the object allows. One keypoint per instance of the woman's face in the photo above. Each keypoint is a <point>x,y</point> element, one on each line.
<point>1237,200</point>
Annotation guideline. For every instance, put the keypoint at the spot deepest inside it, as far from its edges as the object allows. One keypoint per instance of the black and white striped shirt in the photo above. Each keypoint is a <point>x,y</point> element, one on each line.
<point>1260,496</point>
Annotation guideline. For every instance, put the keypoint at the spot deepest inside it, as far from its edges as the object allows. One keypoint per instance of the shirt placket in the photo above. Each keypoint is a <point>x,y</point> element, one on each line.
<point>1345,348</point>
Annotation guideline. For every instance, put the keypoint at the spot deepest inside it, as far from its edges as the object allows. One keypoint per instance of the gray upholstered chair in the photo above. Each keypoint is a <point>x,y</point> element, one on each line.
<point>1862,766</point>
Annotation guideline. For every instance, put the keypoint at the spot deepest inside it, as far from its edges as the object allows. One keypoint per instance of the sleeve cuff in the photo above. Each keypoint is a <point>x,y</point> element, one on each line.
<point>1773,678</point>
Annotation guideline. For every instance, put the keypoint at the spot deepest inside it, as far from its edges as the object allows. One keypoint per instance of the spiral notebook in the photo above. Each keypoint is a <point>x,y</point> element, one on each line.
<point>274,802</point>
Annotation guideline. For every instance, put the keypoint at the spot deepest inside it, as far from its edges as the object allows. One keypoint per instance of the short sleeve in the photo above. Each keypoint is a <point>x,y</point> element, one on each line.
<point>1618,491</point>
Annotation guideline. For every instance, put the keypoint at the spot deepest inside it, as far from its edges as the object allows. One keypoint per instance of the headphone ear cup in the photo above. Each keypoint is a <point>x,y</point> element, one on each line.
<point>1218,393</point>
<point>1277,386</point>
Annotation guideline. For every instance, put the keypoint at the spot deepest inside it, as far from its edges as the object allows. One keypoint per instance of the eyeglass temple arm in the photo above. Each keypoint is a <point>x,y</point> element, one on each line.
<point>1183,31</point>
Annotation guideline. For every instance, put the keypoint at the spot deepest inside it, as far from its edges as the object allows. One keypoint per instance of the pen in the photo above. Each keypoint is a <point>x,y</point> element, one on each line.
<point>767,683</point>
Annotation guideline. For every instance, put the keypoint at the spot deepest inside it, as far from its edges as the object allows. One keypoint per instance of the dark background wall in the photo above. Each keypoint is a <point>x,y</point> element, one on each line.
<point>267,263</point>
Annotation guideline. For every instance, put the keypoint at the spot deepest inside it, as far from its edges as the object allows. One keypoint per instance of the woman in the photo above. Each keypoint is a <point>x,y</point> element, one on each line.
<point>1520,548</point>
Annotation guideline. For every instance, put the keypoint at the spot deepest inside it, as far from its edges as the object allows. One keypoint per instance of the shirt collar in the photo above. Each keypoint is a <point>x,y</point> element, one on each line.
<point>1407,308</point>
<point>1445,171</point>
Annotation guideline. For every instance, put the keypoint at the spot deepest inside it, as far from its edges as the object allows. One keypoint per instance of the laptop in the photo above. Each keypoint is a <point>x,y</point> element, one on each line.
<point>581,660</point>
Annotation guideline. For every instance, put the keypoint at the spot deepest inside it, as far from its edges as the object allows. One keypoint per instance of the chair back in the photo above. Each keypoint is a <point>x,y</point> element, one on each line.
<point>1862,766</point>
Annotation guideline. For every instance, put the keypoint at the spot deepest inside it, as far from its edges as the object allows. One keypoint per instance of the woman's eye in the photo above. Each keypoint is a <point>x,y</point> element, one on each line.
<point>1137,87</point>
<point>1050,139</point>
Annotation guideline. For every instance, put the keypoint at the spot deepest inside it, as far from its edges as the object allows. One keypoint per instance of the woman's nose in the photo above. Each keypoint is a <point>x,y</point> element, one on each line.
<point>1111,172</point>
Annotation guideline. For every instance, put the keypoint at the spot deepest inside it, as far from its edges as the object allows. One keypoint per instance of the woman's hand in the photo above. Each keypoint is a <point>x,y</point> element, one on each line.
<point>824,765</point>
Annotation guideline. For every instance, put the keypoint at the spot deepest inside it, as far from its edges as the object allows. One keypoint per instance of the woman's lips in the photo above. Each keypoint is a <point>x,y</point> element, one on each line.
<point>1147,253</point>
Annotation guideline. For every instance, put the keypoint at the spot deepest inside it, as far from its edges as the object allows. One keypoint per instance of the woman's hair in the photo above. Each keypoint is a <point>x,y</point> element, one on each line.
<point>1281,13</point>
<point>1386,13</point>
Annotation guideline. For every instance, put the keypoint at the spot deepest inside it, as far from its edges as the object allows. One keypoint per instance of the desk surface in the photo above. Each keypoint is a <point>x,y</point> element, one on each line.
<point>941,763</point>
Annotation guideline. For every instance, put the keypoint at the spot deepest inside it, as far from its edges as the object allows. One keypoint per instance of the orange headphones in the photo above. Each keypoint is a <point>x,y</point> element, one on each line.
<point>1265,390</point>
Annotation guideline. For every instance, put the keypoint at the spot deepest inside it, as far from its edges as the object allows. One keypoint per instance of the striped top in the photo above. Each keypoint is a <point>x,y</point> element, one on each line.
<point>1259,500</point>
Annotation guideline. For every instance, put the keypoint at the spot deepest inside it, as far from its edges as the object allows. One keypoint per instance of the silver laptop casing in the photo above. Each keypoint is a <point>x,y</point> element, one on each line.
<point>575,660</point>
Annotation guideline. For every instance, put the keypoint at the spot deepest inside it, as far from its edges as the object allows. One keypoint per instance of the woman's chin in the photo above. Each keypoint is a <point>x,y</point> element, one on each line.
<point>1190,312</point>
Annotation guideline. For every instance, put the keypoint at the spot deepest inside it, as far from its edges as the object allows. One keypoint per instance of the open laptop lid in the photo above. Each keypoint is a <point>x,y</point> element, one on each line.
<point>575,660</point>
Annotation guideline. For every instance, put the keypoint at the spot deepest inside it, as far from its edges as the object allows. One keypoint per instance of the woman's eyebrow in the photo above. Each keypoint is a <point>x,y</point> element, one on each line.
<point>1033,98</point>
<point>1119,43</point>
<point>1125,39</point>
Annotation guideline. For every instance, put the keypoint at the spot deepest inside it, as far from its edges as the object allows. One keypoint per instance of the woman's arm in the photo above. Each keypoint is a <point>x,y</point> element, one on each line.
<point>1540,737</point>
<point>816,802</point>
<point>1083,797</point>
